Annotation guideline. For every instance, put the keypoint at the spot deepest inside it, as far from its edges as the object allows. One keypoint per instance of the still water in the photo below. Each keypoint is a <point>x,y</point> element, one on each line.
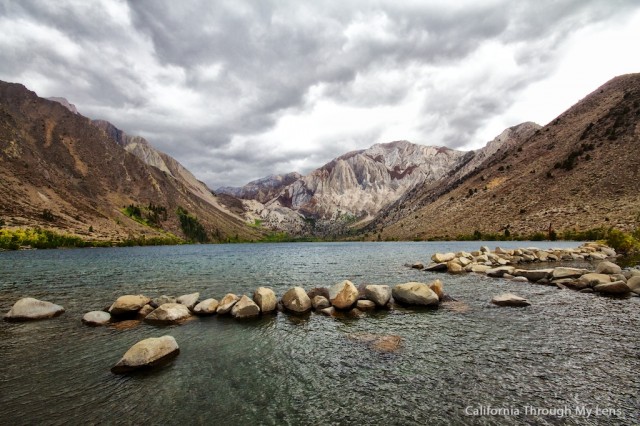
<point>568,352</point>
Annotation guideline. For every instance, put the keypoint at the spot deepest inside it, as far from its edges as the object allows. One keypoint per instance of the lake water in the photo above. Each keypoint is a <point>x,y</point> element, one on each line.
<point>567,352</point>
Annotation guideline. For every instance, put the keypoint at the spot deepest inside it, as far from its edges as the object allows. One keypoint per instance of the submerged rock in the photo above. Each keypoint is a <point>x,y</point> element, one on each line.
<point>169,313</point>
<point>378,294</point>
<point>206,307</point>
<point>343,294</point>
<point>28,309</point>
<point>96,318</point>
<point>147,353</point>
<point>508,299</point>
<point>414,293</point>
<point>377,342</point>
<point>128,305</point>
<point>266,299</point>
<point>296,300</point>
<point>245,308</point>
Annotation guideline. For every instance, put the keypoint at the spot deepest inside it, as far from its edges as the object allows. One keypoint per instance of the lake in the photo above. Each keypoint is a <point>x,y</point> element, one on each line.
<point>566,354</point>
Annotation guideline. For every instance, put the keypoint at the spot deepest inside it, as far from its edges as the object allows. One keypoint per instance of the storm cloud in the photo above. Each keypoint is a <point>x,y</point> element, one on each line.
<point>239,90</point>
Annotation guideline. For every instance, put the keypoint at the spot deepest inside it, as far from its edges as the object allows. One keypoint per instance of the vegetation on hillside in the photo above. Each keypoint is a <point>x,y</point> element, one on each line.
<point>191,227</point>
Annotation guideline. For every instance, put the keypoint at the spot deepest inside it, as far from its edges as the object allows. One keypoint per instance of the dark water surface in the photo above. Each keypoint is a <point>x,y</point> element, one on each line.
<point>567,352</point>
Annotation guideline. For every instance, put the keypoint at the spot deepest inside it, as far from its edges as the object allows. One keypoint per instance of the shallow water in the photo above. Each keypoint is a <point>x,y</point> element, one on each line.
<point>568,351</point>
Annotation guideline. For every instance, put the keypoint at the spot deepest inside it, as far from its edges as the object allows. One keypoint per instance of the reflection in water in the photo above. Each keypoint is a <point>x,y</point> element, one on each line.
<point>404,366</point>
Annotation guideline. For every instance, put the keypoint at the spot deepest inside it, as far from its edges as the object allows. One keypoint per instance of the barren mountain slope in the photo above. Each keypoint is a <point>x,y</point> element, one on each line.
<point>56,161</point>
<point>578,172</point>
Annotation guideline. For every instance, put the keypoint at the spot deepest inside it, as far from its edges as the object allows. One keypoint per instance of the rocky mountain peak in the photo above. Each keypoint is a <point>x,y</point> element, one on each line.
<point>65,103</point>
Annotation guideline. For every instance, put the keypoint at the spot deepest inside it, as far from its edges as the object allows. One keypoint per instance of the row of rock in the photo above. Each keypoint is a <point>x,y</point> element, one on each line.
<point>484,259</point>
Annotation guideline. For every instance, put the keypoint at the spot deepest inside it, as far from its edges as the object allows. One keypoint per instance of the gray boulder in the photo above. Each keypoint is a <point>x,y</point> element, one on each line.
<point>169,313</point>
<point>226,304</point>
<point>206,307</point>
<point>96,318</point>
<point>414,293</point>
<point>378,294</point>
<point>245,308</point>
<point>147,353</point>
<point>266,299</point>
<point>509,299</point>
<point>128,304</point>
<point>189,300</point>
<point>607,267</point>
<point>28,309</point>
<point>296,300</point>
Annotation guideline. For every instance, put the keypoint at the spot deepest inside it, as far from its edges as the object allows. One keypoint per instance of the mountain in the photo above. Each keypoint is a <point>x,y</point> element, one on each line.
<point>60,171</point>
<point>576,173</point>
<point>262,190</point>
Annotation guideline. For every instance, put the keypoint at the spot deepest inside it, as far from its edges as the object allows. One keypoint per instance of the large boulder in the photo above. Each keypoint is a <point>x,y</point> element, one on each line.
<point>28,309</point>
<point>533,275</point>
<point>591,278</point>
<point>343,294</point>
<point>169,313</point>
<point>226,304</point>
<point>296,300</point>
<point>145,310</point>
<point>147,353</point>
<point>96,318</point>
<point>206,307</point>
<point>634,284</point>
<point>508,299</point>
<point>443,258</point>
<point>616,288</point>
<point>500,271</point>
<point>266,299</point>
<point>436,286</point>
<point>128,305</point>
<point>318,291</point>
<point>245,308</point>
<point>607,267</point>
<point>561,273</point>
<point>189,300</point>
<point>454,267</point>
<point>378,294</point>
<point>320,302</point>
<point>414,293</point>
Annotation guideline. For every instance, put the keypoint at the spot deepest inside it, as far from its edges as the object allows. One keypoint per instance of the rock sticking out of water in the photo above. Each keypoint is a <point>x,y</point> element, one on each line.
<point>28,309</point>
<point>96,318</point>
<point>147,353</point>
<point>508,299</point>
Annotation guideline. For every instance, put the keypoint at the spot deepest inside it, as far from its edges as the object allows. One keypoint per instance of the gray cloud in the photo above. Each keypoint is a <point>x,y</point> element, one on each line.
<point>215,83</point>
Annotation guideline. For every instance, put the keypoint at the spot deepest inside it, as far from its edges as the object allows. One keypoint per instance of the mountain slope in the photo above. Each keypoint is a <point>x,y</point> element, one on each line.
<point>577,172</point>
<point>262,190</point>
<point>60,171</point>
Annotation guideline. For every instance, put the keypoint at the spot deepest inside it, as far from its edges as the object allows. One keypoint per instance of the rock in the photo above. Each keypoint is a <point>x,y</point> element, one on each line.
<point>454,267</point>
<point>586,290</point>
<point>508,299</point>
<point>379,343</point>
<point>587,279</point>
<point>125,325</point>
<point>618,277</point>
<point>533,275</point>
<point>147,353</point>
<point>330,311</point>
<point>318,291</point>
<point>320,302</point>
<point>145,310</point>
<point>128,305</point>
<point>169,313</point>
<point>296,300</point>
<point>485,249</point>
<point>436,267</point>
<point>96,318</point>
<point>266,299</point>
<point>500,250</point>
<point>607,267</point>
<point>608,251</point>
<point>560,273</point>
<point>378,294</point>
<point>343,294</point>
<point>500,271</point>
<point>28,309</point>
<point>463,261</point>
<point>189,300</point>
<point>226,304</point>
<point>443,258</point>
<point>480,269</point>
<point>206,307</point>
<point>634,284</point>
<point>158,301</point>
<point>365,305</point>
<point>520,279</point>
<point>598,256</point>
<point>616,288</point>
<point>414,293</point>
<point>417,265</point>
<point>245,308</point>
<point>436,286</point>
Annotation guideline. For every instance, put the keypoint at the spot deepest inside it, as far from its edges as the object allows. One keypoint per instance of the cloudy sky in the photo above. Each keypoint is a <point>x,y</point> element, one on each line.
<point>237,90</point>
